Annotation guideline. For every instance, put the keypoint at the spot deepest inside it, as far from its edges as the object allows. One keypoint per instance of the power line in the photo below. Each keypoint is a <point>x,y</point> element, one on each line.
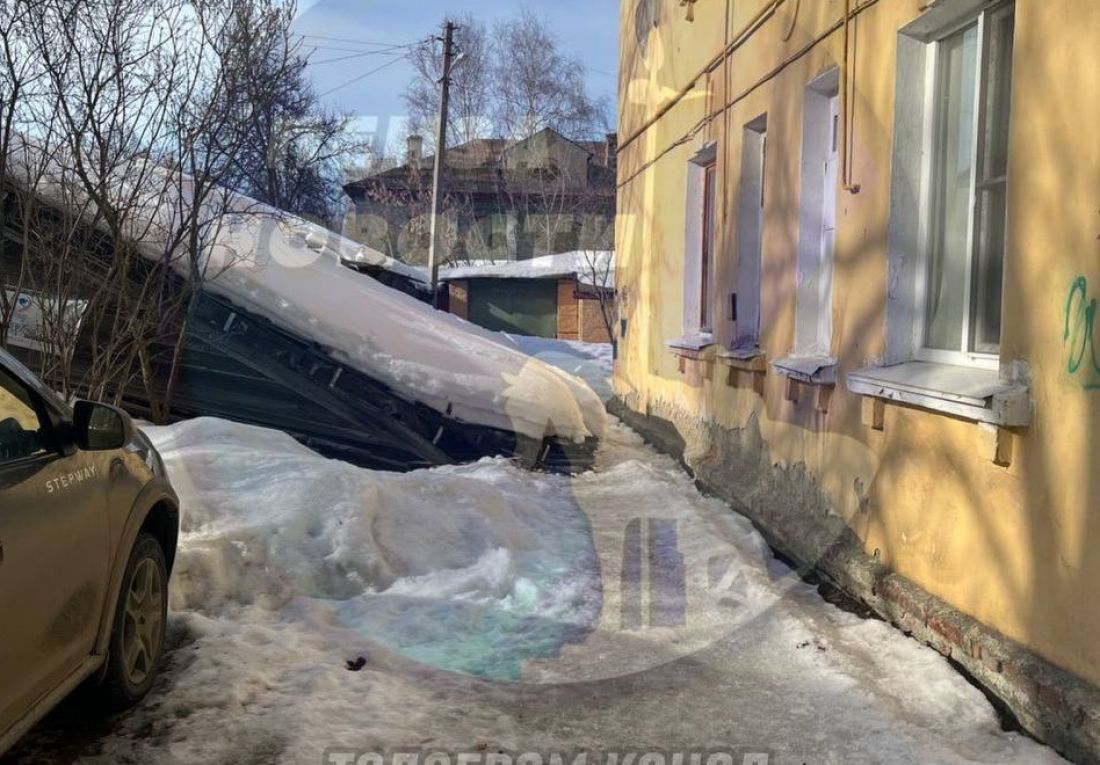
<point>320,46</point>
<point>315,46</point>
<point>361,77</point>
<point>355,42</point>
<point>355,56</point>
<point>341,49</point>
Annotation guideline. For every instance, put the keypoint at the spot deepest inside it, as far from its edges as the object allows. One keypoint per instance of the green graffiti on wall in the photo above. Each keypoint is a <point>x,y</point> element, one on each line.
<point>1081,361</point>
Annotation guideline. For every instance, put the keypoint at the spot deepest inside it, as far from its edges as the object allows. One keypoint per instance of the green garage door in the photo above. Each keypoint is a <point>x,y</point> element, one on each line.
<point>524,307</point>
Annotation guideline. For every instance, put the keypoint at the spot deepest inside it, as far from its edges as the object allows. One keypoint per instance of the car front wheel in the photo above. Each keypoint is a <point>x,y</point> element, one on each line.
<point>137,637</point>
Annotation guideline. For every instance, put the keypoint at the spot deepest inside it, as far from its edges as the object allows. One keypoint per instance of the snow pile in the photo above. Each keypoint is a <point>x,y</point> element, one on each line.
<point>471,568</point>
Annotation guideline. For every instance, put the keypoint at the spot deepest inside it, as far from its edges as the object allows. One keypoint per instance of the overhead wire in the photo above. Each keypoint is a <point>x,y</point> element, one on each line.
<point>345,40</point>
<point>356,56</point>
<point>361,77</point>
<point>307,41</point>
<point>336,49</point>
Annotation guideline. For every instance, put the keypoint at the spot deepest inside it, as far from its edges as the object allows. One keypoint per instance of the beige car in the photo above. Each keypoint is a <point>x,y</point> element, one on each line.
<point>88,530</point>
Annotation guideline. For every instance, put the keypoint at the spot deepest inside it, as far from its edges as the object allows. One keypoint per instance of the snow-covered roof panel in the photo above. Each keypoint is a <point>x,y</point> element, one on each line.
<point>368,256</point>
<point>291,272</point>
<point>591,267</point>
<point>425,355</point>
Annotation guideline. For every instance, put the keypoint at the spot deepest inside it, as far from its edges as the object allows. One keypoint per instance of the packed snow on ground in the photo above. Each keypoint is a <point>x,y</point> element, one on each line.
<point>290,271</point>
<point>589,361</point>
<point>495,608</point>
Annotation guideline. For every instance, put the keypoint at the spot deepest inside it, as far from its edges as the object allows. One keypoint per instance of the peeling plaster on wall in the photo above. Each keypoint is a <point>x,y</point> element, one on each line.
<point>793,514</point>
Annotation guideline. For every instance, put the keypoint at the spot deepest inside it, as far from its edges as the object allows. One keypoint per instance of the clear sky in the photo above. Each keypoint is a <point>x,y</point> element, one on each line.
<point>587,29</point>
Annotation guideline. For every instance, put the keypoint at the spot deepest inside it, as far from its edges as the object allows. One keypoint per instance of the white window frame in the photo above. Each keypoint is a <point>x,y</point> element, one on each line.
<point>976,386</point>
<point>816,248</point>
<point>694,235</point>
<point>965,357</point>
<point>751,207</point>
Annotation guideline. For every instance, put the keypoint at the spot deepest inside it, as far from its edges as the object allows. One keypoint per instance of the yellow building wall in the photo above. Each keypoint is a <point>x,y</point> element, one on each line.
<point>1015,547</point>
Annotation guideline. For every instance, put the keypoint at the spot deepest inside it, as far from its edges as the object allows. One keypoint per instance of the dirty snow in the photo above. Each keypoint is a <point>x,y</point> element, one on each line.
<point>498,608</point>
<point>470,568</point>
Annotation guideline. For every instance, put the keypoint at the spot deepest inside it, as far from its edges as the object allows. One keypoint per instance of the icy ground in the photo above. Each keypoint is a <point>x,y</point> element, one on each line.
<point>589,361</point>
<point>495,608</point>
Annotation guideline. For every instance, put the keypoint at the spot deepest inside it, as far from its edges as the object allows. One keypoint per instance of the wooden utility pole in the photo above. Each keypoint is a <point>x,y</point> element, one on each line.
<point>440,156</point>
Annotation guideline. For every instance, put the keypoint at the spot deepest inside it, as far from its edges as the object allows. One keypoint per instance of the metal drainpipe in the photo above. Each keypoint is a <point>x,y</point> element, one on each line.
<point>738,39</point>
<point>845,120</point>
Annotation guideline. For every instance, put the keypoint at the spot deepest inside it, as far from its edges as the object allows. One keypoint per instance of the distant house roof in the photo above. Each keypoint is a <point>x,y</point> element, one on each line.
<point>592,268</point>
<point>480,159</point>
<point>593,148</point>
<point>480,152</point>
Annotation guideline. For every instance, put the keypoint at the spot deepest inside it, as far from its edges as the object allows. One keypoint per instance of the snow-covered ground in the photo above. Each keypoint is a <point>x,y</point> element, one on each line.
<point>498,608</point>
<point>589,361</point>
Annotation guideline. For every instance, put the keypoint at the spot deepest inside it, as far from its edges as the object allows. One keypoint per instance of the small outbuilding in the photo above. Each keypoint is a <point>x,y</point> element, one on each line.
<point>568,296</point>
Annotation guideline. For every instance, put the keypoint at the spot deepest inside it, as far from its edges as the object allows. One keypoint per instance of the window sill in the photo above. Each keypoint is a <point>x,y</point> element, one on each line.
<point>972,393</point>
<point>747,359</point>
<point>691,346</point>
<point>811,370</point>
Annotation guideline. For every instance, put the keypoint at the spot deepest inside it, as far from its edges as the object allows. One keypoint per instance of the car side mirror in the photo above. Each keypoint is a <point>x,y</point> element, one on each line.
<point>100,427</point>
